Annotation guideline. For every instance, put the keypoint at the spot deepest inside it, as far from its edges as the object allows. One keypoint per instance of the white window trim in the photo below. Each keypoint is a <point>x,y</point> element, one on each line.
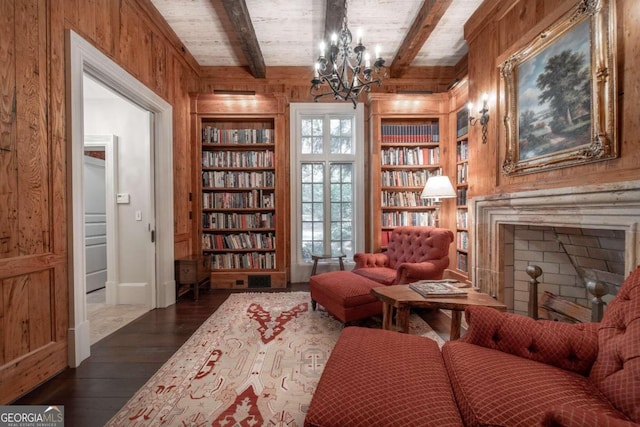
<point>301,269</point>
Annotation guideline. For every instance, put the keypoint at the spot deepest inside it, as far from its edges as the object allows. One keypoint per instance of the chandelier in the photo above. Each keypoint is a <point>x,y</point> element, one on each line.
<point>343,71</point>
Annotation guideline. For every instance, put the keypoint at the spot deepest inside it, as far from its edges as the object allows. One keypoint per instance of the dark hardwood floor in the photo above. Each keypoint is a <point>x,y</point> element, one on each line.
<point>122,362</point>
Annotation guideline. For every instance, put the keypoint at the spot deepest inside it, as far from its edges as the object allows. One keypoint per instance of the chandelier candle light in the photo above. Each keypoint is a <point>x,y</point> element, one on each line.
<point>343,71</point>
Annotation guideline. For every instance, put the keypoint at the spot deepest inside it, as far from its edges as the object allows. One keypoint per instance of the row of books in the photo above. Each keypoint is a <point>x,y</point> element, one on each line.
<point>246,199</point>
<point>461,218</point>
<point>461,197</point>
<point>405,178</point>
<point>462,122</point>
<point>214,135</point>
<point>462,240</point>
<point>404,199</point>
<point>218,220</point>
<point>461,259</point>
<point>239,241</point>
<point>235,179</point>
<point>429,132</point>
<point>243,261</point>
<point>394,219</point>
<point>463,173</point>
<point>403,156</point>
<point>238,159</point>
<point>462,151</point>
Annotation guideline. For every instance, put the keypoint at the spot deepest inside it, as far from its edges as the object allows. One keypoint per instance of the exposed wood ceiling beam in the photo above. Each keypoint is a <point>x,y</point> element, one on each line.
<point>334,17</point>
<point>238,14</point>
<point>424,24</point>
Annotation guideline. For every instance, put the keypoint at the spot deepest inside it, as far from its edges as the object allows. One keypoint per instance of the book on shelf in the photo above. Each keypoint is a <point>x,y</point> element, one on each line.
<point>445,288</point>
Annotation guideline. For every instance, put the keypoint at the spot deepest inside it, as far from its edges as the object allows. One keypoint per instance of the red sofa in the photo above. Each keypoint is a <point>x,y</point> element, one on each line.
<point>413,253</point>
<point>508,370</point>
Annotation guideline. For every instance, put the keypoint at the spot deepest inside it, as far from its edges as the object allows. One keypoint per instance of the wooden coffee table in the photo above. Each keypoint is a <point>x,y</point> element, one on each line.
<point>402,298</point>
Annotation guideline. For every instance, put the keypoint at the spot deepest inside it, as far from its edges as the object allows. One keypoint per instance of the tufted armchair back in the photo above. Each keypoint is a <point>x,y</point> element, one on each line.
<point>616,370</point>
<point>417,244</point>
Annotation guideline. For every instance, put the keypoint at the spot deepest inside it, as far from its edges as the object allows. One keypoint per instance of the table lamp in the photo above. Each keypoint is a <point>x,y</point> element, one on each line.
<point>436,188</point>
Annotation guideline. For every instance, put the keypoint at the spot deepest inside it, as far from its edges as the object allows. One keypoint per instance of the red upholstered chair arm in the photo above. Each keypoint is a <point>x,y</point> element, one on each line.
<point>573,347</point>
<point>571,416</point>
<point>409,272</point>
<point>364,260</point>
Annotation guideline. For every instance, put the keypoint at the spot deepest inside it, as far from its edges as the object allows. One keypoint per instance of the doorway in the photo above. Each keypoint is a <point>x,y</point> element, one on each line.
<point>152,217</point>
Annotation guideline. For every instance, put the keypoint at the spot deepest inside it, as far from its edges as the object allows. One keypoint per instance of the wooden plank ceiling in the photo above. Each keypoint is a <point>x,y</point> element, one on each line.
<point>263,33</point>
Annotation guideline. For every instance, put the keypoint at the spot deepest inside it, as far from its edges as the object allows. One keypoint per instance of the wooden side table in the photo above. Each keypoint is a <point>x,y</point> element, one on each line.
<point>315,259</point>
<point>192,272</point>
<point>402,298</point>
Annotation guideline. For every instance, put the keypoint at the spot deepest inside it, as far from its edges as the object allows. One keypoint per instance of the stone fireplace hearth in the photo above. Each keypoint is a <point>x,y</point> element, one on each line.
<point>614,207</point>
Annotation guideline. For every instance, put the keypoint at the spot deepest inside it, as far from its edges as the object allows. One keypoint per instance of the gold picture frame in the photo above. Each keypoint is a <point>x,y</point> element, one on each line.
<point>560,93</point>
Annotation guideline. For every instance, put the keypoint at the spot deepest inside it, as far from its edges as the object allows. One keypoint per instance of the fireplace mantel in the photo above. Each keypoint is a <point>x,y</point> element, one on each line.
<point>603,206</point>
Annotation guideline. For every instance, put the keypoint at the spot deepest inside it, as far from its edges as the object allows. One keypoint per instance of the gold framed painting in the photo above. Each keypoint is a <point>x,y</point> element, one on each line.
<point>560,93</point>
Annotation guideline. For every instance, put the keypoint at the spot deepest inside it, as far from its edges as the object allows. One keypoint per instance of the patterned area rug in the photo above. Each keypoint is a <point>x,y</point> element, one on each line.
<point>255,362</point>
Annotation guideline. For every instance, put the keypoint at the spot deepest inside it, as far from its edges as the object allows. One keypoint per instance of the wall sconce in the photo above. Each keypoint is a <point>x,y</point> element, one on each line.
<point>484,116</point>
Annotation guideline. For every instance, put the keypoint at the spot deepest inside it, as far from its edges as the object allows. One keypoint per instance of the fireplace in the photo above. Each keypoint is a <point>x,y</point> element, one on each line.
<point>609,211</point>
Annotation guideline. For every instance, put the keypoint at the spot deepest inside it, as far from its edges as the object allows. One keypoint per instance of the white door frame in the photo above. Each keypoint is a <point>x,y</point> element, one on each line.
<point>83,58</point>
<point>109,143</point>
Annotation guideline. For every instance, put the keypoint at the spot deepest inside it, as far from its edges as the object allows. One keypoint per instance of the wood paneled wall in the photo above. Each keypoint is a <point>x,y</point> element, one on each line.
<point>34,151</point>
<point>499,29</point>
<point>295,82</point>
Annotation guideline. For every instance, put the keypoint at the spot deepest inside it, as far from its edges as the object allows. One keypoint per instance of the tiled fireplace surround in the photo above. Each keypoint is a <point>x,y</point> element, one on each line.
<point>517,229</point>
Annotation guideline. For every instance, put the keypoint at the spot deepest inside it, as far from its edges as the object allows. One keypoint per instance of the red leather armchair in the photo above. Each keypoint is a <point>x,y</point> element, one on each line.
<point>414,253</point>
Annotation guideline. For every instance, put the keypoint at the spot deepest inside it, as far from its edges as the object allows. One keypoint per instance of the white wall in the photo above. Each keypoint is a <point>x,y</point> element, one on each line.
<point>117,116</point>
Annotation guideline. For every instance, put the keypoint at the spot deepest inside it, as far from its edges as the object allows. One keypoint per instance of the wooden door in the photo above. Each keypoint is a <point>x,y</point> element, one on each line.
<point>33,261</point>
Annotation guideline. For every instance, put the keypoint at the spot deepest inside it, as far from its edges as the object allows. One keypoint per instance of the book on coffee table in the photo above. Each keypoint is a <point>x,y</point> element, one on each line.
<point>438,288</point>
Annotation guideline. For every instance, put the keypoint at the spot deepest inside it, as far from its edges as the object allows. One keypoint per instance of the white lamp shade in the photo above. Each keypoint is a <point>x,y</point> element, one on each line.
<point>438,187</point>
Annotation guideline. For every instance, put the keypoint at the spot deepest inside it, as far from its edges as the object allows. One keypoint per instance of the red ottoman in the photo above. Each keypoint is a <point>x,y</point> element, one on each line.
<point>377,378</point>
<point>344,294</point>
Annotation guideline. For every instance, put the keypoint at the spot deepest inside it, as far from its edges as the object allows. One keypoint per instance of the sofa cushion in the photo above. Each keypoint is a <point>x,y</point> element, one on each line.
<point>383,378</point>
<point>496,388</point>
<point>569,416</point>
<point>346,288</point>
<point>383,275</point>
<point>616,371</point>
<point>568,346</point>
<point>417,244</point>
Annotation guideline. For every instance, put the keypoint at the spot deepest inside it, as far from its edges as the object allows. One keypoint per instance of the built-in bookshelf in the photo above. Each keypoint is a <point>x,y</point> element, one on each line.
<point>240,172</point>
<point>406,133</point>
<point>462,185</point>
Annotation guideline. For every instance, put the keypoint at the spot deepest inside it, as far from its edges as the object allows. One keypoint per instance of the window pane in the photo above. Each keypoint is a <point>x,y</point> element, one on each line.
<point>307,230</point>
<point>318,212</point>
<point>336,193</point>
<point>317,126</point>
<point>307,211</point>
<point>307,194</point>
<point>347,212</point>
<point>341,136</point>
<point>305,127</point>
<point>318,172</point>
<point>345,127</point>
<point>307,250</point>
<point>306,169</point>
<point>317,145</point>
<point>305,143</point>
<point>336,145</point>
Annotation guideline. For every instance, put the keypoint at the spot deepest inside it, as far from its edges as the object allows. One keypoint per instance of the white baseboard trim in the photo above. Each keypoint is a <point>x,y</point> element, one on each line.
<point>133,293</point>
<point>79,341</point>
<point>169,293</point>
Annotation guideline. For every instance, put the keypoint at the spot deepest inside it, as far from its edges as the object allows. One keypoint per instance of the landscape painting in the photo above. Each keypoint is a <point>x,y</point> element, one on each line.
<point>554,96</point>
<point>560,93</point>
